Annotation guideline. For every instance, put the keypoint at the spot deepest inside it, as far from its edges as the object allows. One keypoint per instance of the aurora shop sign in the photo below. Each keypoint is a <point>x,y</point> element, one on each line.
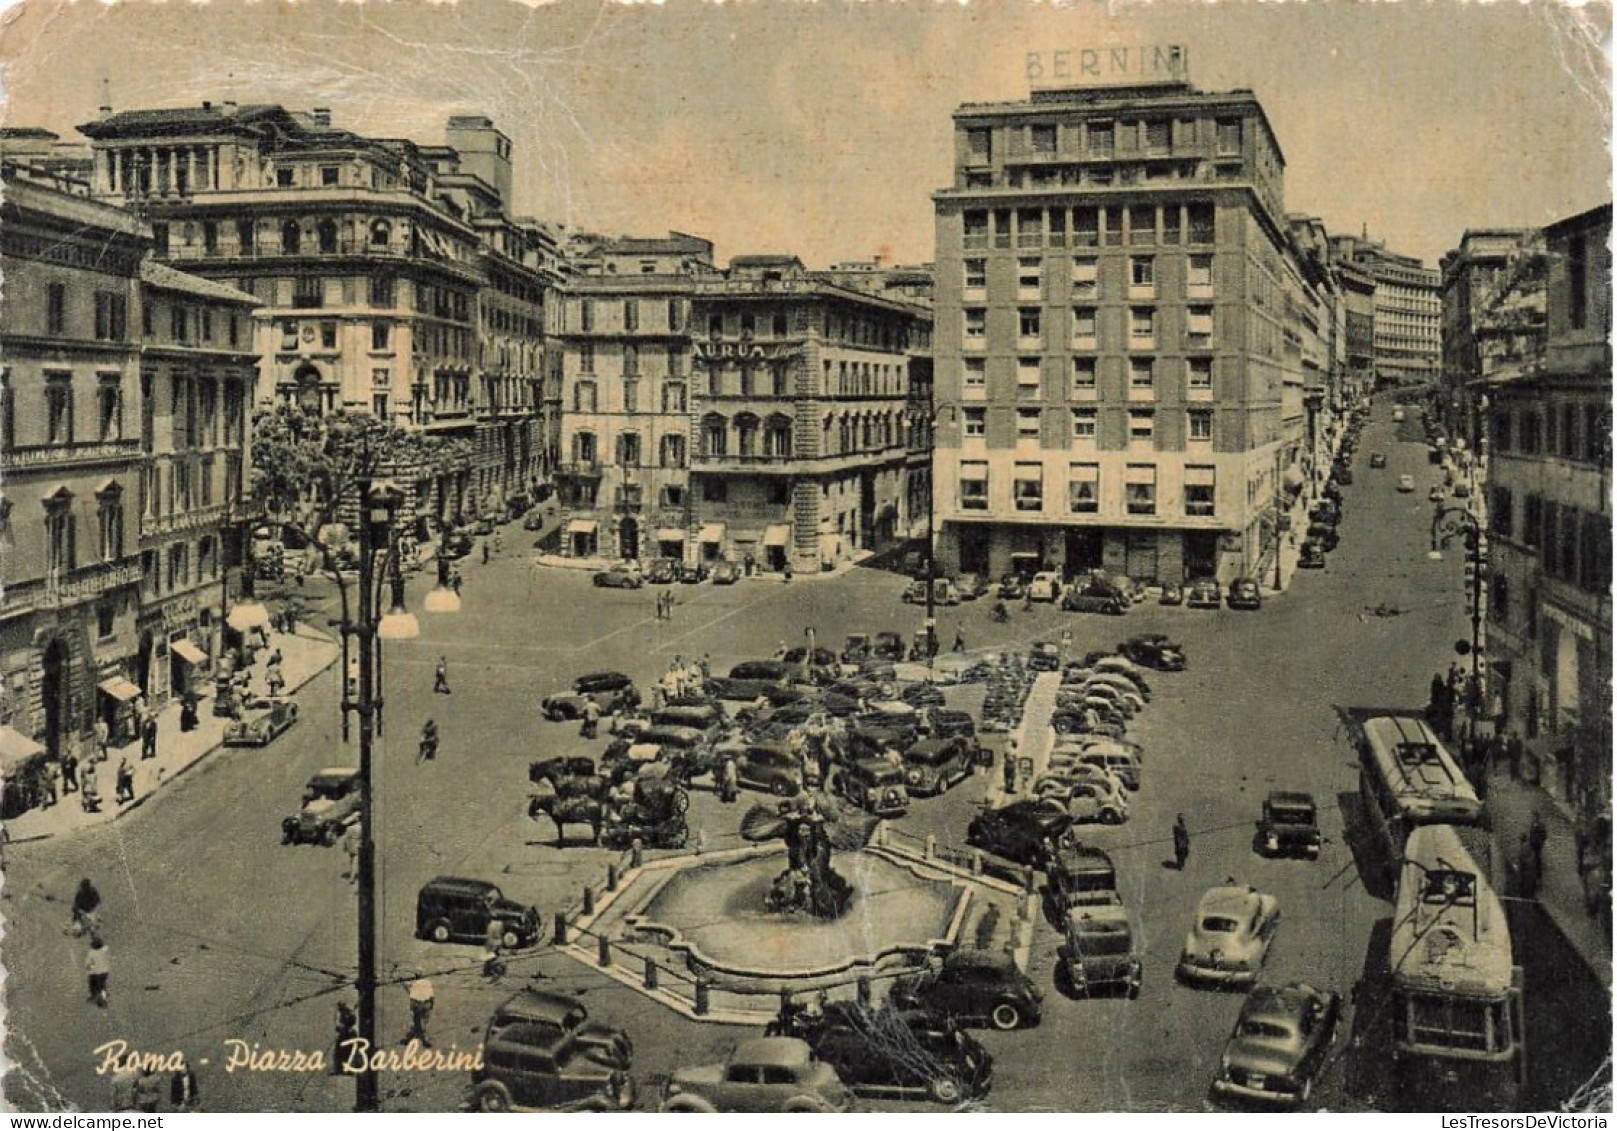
<point>744,351</point>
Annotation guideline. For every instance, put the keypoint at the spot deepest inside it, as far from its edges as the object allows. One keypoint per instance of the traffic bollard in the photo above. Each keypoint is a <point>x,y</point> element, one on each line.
<point>637,853</point>
<point>561,928</point>
<point>603,950</point>
<point>589,900</point>
<point>701,1005</point>
<point>651,973</point>
<point>612,877</point>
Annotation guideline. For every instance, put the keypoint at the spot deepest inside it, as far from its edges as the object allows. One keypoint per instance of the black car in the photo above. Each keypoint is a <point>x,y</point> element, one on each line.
<point>692,573</point>
<point>1245,594</point>
<point>976,988</point>
<point>1289,826</point>
<point>662,571</point>
<point>898,1051</point>
<point>611,691</point>
<point>1312,556</point>
<point>1154,650</point>
<point>1020,831</point>
<point>451,909</point>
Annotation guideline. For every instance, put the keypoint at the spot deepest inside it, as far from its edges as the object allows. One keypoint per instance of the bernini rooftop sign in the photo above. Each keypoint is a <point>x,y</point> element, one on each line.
<point>1108,66</point>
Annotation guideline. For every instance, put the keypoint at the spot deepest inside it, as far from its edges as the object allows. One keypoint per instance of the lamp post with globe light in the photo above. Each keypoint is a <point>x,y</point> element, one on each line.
<point>1449,522</point>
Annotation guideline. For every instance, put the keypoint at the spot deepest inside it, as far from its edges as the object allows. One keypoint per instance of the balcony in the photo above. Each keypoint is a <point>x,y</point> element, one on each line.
<point>196,519</point>
<point>62,589</point>
<point>580,469</point>
<point>69,455</point>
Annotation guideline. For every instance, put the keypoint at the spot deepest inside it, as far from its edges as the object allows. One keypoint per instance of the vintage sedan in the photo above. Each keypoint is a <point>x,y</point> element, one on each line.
<point>976,988</point>
<point>330,806</point>
<point>1378,459</point>
<point>1154,650</point>
<point>1021,831</point>
<point>1279,1044</point>
<point>611,691</point>
<point>1045,586</point>
<point>1230,938</point>
<point>263,719</point>
<point>767,1074</point>
<point>936,765</point>
<point>1289,826</point>
<point>1172,594</point>
<point>886,1052</point>
<point>1088,798</point>
<point>724,573</point>
<point>1203,594</point>
<point>618,578</point>
<point>970,586</point>
<point>1244,594</point>
<point>692,573</point>
<point>1312,555</point>
<point>662,571</point>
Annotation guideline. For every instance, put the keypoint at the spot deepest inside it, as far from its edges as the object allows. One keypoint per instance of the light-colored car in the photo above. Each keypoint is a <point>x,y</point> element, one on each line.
<point>1121,762</point>
<point>1279,1044</point>
<point>1230,937</point>
<point>330,805</point>
<point>1089,798</point>
<point>1406,483</point>
<point>263,719</point>
<point>1045,586</point>
<point>767,1074</point>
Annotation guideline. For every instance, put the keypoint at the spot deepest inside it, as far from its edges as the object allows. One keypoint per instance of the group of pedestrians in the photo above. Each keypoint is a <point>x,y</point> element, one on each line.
<point>142,1089</point>
<point>665,605</point>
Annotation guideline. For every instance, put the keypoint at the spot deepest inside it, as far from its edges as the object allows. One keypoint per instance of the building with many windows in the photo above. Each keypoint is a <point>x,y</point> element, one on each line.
<point>1117,377</point>
<point>1475,276</point>
<point>1408,311</point>
<point>197,370</point>
<point>1549,512</point>
<point>71,461</point>
<point>391,277</point>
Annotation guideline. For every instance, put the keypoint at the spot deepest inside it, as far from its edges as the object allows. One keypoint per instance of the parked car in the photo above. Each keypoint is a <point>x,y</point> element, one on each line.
<point>1406,483</point>
<point>943,592</point>
<point>1012,587</point>
<point>970,586</point>
<point>1245,594</point>
<point>1112,759</point>
<point>1462,489</point>
<point>330,806</point>
<point>1154,650</point>
<point>1230,937</point>
<point>1289,825</point>
<point>1436,494</point>
<point>936,765</point>
<point>875,785</point>
<point>1100,950</point>
<point>554,1016</point>
<point>1203,594</point>
<point>1279,1045</point>
<point>1324,535</point>
<point>451,909</point>
<point>1021,831</point>
<point>902,1051</point>
<point>662,571</point>
<point>1378,460</point>
<point>692,573</point>
<point>976,988</point>
<point>1312,555</point>
<point>767,766</point>
<point>724,573</point>
<point>1097,593</point>
<point>1343,474</point>
<point>524,1069</point>
<point>1045,586</point>
<point>618,577</point>
<point>1080,875</point>
<point>456,544</point>
<point>1172,594</point>
<point>1044,656</point>
<point>766,1074</point>
<point>611,691</point>
<point>1088,798</point>
<point>264,718</point>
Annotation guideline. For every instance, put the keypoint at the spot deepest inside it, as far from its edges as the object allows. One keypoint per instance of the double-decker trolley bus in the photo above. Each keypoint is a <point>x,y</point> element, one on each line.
<point>1456,992</point>
<point>1407,779</point>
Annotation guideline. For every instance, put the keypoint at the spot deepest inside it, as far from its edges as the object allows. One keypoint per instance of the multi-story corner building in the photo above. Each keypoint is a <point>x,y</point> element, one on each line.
<point>1473,276</point>
<point>1111,337</point>
<point>371,258</point>
<point>1358,289</point>
<point>624,347</point>
<point>71,459</point>
<point>197,370</point>
<point>1549,586</point>
<point>801,408</point>
<point>1316,303</point>
<point>1408,311</point>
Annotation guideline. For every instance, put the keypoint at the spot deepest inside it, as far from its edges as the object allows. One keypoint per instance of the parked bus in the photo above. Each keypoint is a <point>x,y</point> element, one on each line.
<point>1456,992</point>
<point>1407,780</point>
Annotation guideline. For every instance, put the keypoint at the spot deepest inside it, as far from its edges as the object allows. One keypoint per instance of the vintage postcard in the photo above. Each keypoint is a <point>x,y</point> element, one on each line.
<point>784,557</point>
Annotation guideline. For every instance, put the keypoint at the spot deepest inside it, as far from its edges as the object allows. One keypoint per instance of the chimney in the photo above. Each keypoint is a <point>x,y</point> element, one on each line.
<point>321,116</point>
<point>228,107</point>
<point>105,109</point>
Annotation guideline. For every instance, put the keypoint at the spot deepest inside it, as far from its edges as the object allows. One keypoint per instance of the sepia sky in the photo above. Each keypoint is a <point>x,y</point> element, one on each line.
<point>822,128</point>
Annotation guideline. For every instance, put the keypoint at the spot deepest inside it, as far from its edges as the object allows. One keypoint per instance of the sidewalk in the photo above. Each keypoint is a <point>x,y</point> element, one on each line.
<point>303,656</point>
<point>1511,804</point>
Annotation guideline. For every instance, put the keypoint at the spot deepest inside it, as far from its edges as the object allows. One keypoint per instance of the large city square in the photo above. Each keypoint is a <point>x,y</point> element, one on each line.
<point>1143,646</point>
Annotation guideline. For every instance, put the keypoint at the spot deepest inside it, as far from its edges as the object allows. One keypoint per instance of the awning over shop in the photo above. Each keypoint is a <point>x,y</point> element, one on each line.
<point>581,526</point>
<point>119,688</point>
<point>188,652</point>
<point>670,534</point>
<point>778,534</point>
<point>712,532</point>
<point>248,615</point>
<point>16,748</point>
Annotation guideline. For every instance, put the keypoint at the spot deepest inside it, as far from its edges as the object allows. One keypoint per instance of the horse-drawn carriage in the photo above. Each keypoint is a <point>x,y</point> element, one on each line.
<point>655,816</point>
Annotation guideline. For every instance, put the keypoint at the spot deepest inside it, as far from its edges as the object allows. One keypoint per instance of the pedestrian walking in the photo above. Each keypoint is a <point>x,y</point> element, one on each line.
<point>1537,835</point>
<point>499,542</point>
<point>86,905</point>
<point>420,1011</point>
<point>148,1090</point>
<point>350,847</point>
<point>729,784</point>
<point>276,681</point>
<point>440,676</point>
<point>89,791</point>
<point>148,736</point>
<point>959,641</point>
<point>347,1030</point>
<point>98,969</point>
<point>1181,843</point>
<point>1527,868</point>
<point>183,1094</point>
<point>592,719</point>
<point>705,665</point>
<point>786,570</point>
<point>455,580</point>
<point>485,551</point>
<point>1008,770</point>
<point>103,736</point>
<point>124,785</point>
<point>70,773</point>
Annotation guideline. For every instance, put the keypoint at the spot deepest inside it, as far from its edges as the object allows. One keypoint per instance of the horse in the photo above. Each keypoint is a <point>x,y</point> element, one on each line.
<point>569,811</point>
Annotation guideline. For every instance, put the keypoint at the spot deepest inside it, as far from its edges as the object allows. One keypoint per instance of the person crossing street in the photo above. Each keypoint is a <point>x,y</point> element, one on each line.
<point>1181,843</point>
<point>440,676</point>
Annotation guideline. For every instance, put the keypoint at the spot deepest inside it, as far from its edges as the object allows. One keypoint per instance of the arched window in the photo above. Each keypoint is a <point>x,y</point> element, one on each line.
<point>747,434</point>
<point>291,237</point>
<point>328,237</point>
<point>778,436</point>
<point>715,435</point>
<point>381,233</point>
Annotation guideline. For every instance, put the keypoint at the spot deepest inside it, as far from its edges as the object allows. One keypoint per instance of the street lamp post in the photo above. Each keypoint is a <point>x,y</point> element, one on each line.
<point>1447,523</point>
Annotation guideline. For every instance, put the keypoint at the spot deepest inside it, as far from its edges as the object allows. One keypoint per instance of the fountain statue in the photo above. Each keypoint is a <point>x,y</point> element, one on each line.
<point>809,826</point>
